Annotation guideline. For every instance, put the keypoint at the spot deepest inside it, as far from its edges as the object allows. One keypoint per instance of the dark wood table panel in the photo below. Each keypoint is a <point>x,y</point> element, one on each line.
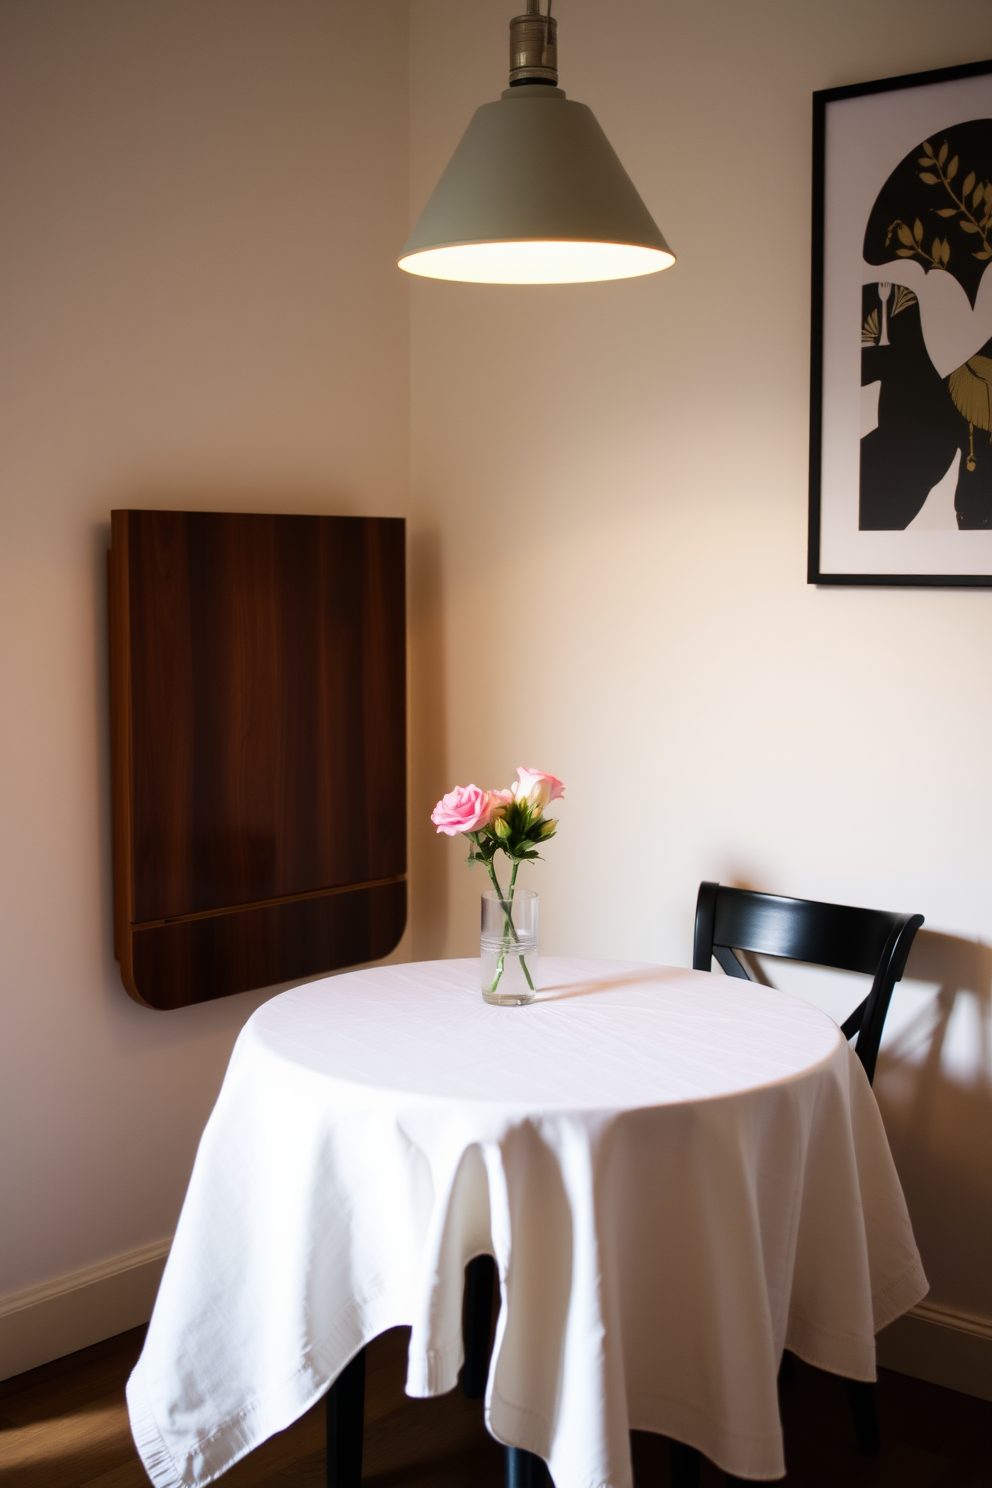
<point>259,730</point>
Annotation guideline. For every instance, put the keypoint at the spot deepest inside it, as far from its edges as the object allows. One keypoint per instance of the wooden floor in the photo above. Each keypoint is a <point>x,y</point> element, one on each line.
<point>65,1426</point>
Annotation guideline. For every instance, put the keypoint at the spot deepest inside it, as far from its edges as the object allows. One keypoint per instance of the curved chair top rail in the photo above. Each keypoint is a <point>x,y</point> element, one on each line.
<point>838,935</point>
<point>873,942</point>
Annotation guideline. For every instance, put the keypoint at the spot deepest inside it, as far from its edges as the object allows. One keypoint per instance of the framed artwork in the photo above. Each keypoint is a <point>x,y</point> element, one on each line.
<point>900,485</point>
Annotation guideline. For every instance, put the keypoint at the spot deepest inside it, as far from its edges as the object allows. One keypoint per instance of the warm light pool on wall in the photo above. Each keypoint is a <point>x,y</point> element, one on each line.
<point>535,193</point>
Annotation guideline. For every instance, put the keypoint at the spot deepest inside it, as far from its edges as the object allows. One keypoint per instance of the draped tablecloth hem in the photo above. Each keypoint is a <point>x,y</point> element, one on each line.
<point>848,1354</point>
<point>522,1426</point>
<point>158,1460</point>
<point>518,1426</point>
<point>266,1414</point>
<point>435,1371</point>
<point>743,1454</point>
<point>899,1295</point>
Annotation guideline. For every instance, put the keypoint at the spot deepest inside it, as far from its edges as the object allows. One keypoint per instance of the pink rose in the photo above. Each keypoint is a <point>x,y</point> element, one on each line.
<point>465,809</point>
<point>537,788</point>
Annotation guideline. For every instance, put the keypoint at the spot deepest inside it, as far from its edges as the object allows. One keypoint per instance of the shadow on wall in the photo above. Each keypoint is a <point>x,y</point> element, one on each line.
<point>933,1083</point>
<point>428,745</point>
<point>99,554</point>
<point>934,1088</point>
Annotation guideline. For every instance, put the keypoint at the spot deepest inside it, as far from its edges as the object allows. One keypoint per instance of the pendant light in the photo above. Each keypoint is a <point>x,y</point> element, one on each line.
<point>534,193</point>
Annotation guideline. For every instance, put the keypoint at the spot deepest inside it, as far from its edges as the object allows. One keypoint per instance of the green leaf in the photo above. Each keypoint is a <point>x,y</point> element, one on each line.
<point>968,183</point>
<point>952,169</point>
<point>929,178</point>
<point>943,154</point>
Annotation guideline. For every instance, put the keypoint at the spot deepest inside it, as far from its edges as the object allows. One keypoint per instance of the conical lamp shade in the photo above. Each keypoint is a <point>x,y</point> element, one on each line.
<point>535,194</point>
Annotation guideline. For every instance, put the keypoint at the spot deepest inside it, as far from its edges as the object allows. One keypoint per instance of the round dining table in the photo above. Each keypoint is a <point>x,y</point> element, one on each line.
<point>678,1174</point>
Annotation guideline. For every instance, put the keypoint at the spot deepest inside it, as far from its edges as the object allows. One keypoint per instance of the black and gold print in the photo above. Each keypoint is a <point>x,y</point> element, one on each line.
<point>935,210</point>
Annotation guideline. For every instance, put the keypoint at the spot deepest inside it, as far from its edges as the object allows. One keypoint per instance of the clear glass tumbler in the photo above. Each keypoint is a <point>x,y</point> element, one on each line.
<point>509,947</point>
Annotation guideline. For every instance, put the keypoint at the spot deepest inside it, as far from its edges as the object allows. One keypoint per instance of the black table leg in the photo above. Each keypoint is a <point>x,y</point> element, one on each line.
<point>686,1465</point>
<point>524,1469</point>
<point>345,1425</point>
<point>861,1398</point>
<point>480,1275</point>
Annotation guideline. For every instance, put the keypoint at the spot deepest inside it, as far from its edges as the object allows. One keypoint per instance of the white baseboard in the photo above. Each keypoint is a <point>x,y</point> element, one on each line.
<point>947,1348</point>
<point>44,1322</point>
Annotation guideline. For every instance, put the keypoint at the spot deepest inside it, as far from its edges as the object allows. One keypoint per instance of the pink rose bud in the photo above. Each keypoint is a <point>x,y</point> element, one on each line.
<point>465,809</point>
<point>537,788</point>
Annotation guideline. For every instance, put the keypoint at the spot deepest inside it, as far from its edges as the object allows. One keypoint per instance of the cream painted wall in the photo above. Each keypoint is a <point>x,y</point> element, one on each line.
<point>609,494</point>
<point>200,308</point>
<point>201,205</point>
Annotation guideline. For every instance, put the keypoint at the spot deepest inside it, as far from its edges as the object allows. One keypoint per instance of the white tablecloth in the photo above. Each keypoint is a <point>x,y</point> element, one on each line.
<point>679,1174</point>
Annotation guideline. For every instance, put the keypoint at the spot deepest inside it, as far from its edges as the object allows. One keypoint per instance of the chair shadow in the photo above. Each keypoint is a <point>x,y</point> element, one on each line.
<point>427,746</point>
<point>937,1114</point>
<point>937,1108</point>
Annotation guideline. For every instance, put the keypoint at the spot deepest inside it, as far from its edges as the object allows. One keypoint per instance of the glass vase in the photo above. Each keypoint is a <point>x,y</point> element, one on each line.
<point>509,947</point>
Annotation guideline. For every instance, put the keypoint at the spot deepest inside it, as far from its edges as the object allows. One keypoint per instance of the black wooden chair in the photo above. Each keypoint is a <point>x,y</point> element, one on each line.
<point>346,1397</point>
<point>870,941</point>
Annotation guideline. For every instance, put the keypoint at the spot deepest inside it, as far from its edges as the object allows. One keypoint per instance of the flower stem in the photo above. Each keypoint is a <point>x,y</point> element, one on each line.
<point>492,874</point>
<point>506,920</point>
<point>508,925</point>
<point>523,960</point>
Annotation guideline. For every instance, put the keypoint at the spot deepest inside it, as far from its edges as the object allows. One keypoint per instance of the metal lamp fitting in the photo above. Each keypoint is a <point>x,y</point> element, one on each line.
<point>534,47</point>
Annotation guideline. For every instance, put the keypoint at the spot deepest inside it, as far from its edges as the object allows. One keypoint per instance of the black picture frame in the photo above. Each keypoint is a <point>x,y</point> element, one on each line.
<point>843,548</point>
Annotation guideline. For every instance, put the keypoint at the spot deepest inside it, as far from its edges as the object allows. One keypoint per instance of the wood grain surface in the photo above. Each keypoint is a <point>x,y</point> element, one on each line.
<point>258,701</point>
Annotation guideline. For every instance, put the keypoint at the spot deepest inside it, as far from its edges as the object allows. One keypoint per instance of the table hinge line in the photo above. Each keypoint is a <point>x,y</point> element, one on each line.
<point>229,909</point>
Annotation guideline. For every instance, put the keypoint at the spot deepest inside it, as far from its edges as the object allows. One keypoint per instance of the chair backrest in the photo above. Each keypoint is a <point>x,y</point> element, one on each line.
<point>870,941</point>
